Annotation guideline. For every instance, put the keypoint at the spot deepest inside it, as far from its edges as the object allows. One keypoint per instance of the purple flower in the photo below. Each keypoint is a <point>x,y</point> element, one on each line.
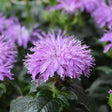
<point>91,5</point>
<point>110,92</point>
<point>5,23</point>
<point>2,22</point>
<point>103,15</point>
<point>107,38</point>
<point>14,31</point>
<point>19,34</point>
<point>70,6</point>
<point>7,57</point>
<point>36,32</point>
<point>10,22</point>
<point>58,53</point>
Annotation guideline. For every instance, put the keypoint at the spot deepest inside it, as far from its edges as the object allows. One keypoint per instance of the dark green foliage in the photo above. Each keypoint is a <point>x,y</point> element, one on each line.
<point>37,104</point>
<point>87,95</point>
<point>44,97</point>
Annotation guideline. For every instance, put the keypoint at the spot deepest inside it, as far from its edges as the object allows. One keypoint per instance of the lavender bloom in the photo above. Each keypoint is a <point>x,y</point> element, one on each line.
<point>10,22</point>
<point>36,32</point>
<point>110,92</point>
<point>107,38</point>
<point>91,5</point>
<point>6,23</point>
<point>2,22</point>
<point>14,31</point>
<point>103,16</point>
<point>58,53</point>
<point>7,57</point>
<point>70,6</point>
<point>19,34</point>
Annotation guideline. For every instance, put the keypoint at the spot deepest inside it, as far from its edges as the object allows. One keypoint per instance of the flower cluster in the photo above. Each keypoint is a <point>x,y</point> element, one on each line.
<point>19,34</point>
<point>103,16</point>
<point>16,32</point>
<point>61,54</point>
<point>36,32</point>
<point>91,5</point>
<point>107,38</point>
<point>72,6</point>
<point>99,9</point>
<point>110,92</point>
<point>7,57</point>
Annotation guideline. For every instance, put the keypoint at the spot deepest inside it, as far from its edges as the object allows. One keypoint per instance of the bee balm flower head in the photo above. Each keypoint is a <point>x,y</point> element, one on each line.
<point>7,57</point>
<point>58,53</point>
<point>107,38</point>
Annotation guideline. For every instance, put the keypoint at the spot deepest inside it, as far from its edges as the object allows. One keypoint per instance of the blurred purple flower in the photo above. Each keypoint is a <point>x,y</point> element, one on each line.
<point>107,38</point>
<point>7,57</point>
<point>10,22</point>
<point>14,31</point>
<point>110,92</point>
<point>2,22</point>
<point>70,6</point>
<point>58,53</point>
<point>91,5</point>
<point>103,15</point>
<point>36,32</point>
<point>19,34</point>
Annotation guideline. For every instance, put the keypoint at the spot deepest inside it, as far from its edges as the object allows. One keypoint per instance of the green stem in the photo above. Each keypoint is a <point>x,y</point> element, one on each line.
<point>54,89</point>
<point>29,19</point>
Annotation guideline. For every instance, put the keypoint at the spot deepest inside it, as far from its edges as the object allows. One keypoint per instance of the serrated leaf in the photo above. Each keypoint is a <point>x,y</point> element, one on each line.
<point>43,86</point>
<point>62,100</point>
<point>37,104</point>
<point>44,93</point>
<point>20,104</point>
<point>34,85</point>
<point>49,105</point>
<point>83,100</point>
<point>72,96</point>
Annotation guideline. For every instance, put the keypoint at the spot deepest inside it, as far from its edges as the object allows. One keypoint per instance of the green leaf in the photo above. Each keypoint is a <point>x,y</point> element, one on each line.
<point>21,104</point>
<point>49,2</point>
<point>46,15</point>
<point>72,96</point>
<point>37,104</point>
<point>3,87</point>
<point>43,86</point>
<point>63,101</point>
<point>44,93</point>
<point>78,18</point>
<point>110,100</point>
<point>53,2</point>
<point>34,85</point>
<point>81,99</point>
<point>4,5</point>
<point>99,88</point>
<point>47,105</point>
<point>105,69</point>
